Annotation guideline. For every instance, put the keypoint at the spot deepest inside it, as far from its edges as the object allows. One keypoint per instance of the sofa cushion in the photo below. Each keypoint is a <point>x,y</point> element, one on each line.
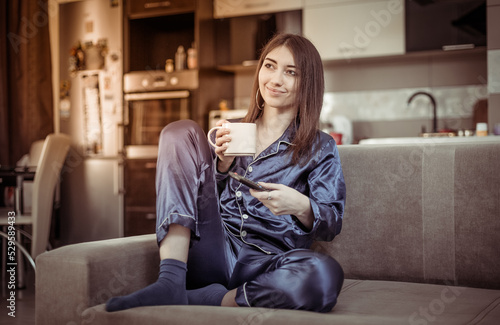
<point>421,213</point>
<point>477,216</point>
<point>361,302</point>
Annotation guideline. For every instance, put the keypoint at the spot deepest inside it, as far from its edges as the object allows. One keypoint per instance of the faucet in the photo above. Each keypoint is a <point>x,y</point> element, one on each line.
<point>434,107</point>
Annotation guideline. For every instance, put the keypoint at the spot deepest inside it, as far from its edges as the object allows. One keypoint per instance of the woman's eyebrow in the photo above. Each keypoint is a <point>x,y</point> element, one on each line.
<point>276,62</point>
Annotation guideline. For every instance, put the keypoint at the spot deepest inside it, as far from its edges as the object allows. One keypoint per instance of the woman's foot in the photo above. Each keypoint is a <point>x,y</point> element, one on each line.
<point>211,295</point>
<point>169,289</point>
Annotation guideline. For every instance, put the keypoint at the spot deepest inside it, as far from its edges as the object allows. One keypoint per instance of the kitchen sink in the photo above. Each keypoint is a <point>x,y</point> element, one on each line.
<point>438,134</point>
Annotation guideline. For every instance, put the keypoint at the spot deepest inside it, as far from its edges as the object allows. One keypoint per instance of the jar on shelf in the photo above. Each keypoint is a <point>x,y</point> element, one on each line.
<point>169,65</point>
<point>192,58</point>
<point>180,58</point>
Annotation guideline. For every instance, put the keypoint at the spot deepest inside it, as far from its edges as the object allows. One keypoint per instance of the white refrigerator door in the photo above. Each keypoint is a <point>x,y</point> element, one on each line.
<point>91,200</point>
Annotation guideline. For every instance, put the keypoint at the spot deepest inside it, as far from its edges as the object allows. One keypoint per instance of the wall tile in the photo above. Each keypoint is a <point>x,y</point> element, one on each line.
<point>391,105</point>
<point>493,21</point>
<point>493,110</point>
<point>494,71</point>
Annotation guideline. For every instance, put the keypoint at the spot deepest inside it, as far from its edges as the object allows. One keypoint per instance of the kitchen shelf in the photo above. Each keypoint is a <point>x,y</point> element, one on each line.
<point>244,68</point>
<point>234,68</point>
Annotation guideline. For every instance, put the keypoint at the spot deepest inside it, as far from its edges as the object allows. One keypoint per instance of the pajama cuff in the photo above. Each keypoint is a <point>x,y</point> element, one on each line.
<point>180,219</point>
<point>241,296</point>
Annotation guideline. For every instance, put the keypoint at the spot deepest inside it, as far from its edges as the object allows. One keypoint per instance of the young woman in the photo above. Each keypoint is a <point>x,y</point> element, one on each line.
<point>223,244</point>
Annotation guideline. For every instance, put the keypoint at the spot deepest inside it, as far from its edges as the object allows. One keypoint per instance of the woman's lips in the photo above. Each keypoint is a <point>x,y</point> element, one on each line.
<point>274,91</point>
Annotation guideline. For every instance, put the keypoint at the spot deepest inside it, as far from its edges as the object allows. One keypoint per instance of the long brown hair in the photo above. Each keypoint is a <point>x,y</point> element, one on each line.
<point>310,92</point>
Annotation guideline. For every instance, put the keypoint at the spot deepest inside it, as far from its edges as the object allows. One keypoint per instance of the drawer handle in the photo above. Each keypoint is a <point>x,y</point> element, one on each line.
<point>149,5</point>
<point>150,216</point>
<point>150,165</point>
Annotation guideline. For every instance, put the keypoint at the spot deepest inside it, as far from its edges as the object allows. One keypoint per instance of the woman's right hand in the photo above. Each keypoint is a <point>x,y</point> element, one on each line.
<point>222,138</point>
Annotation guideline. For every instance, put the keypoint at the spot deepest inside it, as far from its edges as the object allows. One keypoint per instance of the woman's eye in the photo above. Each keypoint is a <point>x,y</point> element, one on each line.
<point>292,72</point>
<point>268,65</point>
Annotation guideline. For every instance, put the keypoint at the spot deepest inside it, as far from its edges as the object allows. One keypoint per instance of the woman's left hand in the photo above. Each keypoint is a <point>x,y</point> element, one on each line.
<point>281,199</point>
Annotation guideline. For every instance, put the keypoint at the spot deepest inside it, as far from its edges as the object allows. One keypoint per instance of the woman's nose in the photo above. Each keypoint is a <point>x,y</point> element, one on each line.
<point>277,78</point>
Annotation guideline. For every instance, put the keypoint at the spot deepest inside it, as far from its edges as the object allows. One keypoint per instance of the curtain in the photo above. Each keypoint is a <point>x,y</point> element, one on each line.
<point>26,112</point>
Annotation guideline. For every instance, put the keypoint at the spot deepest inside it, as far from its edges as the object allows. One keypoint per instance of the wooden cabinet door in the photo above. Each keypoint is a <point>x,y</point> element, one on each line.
<point>352,29</point>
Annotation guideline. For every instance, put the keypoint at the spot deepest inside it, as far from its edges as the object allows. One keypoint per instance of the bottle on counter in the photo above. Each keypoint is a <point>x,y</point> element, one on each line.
<point>169,65</point>
<point>192,58</point>
<point>223,105</point>
<point>180,58</point>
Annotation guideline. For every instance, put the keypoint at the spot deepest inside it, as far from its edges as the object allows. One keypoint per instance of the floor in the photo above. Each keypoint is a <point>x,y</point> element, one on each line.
<point>24,303</point>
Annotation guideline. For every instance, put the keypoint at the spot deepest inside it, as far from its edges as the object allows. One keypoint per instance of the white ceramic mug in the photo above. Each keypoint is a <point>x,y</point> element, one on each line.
<point>243,137</point>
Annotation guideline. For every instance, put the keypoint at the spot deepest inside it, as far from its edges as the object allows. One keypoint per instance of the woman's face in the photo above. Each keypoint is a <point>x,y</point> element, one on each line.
<point>278,79</point>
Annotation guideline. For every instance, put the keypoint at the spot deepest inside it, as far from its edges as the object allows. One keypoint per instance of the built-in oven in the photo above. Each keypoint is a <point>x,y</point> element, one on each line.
<point>152,100</point>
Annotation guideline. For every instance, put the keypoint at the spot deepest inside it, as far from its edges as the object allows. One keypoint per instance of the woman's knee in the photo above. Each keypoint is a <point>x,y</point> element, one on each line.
<point>300,279</point>
<point>179,129</point>
<point>318,276</point>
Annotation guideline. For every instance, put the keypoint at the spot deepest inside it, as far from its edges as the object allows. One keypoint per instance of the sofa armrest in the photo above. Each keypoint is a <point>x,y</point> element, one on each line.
<point>73,278</point>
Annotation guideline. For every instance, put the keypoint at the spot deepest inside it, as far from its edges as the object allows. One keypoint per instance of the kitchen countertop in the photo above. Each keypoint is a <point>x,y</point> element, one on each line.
<point>490,138</point>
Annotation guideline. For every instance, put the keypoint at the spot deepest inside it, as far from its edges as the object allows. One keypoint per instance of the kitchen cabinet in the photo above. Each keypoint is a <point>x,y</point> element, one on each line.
<point>151,41</point>
<point>242,38</point>
<point>232,8</point>
<point>151,8</point>
<point>452,24</point>
<point>140,197</point>
<point>346,29</point>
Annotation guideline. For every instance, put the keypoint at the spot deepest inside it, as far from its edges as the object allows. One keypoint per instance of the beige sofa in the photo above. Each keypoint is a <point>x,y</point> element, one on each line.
<point>420,244</point>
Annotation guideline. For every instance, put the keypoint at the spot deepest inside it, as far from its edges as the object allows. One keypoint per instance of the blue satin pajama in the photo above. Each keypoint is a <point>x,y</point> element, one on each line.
<point>237,241</point>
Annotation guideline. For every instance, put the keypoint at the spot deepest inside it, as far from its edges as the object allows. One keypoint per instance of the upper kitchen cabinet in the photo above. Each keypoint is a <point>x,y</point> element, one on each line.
<point>448,25</point>
<point>346,29</point>
<point>155,29</point>
<point>232,8</point>
<point>151,41</point>
<point>149,8</point>
<point>240,39</point>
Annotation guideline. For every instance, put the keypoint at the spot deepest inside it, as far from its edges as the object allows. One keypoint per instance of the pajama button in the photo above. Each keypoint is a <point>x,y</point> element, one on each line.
<point>250,169</point>
<point>243,233</point>
<point>238,194</point>
<point>245,216</point>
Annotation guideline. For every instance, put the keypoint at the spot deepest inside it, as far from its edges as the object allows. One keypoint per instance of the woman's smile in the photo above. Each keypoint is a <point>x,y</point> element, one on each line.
<point>274,91</point>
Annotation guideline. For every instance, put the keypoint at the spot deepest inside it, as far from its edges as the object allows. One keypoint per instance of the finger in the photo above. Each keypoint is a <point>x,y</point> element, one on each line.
<point>222,132</point>
<point>271,186</point>
<point>220,122</point>
<point>222,136</point>
<point>260,195</point>
<point>223,141</point>
<point>219,151</point>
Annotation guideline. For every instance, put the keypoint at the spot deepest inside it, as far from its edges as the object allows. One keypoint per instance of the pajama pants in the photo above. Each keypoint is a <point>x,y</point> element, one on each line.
<point>187,195</point>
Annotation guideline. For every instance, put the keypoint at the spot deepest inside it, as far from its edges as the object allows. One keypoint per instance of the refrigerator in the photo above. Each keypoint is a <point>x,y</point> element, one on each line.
<point>91,74</point>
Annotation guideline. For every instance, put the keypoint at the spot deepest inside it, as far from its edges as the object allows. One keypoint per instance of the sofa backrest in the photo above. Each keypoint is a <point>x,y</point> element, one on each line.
<point>421,213</point>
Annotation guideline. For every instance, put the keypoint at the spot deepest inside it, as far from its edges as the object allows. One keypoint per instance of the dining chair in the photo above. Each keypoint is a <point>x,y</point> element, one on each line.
<point>47,175</point>
<point>30,163</point>
<point>35,153</point>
